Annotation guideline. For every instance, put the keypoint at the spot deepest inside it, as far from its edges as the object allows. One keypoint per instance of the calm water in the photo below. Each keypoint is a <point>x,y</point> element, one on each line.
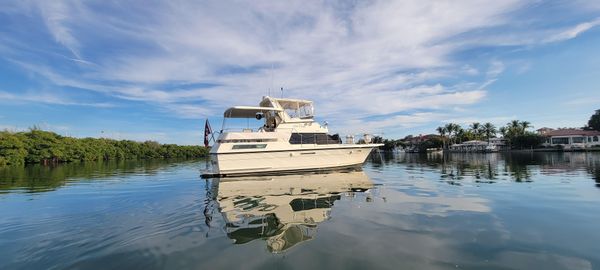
<point>519,211</point>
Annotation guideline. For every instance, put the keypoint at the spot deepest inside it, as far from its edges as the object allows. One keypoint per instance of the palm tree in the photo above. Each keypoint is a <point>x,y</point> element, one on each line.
<point>442,131</point>
<point>476,129</point>
<point>524,126</point>
<point>457,130</point>
<point>460,133</point>
<point>489,130</point>
<point>514,128</point>
<point>449,129</point>
<point>503,131</point>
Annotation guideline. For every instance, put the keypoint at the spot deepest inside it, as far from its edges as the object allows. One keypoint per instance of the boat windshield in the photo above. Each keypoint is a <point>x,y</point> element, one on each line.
<point>294,108</point>
<point>303,111</point>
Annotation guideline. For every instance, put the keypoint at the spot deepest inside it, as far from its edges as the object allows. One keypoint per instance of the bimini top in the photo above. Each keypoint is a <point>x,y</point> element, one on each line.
<point>247,111</point>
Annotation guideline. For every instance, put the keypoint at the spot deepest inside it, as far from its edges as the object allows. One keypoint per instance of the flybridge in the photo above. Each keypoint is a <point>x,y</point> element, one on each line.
<point>293,108</point>
<point>278,113</point>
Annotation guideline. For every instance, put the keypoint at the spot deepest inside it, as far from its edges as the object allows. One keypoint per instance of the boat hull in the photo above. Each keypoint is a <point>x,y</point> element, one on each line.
<point>288,161</point>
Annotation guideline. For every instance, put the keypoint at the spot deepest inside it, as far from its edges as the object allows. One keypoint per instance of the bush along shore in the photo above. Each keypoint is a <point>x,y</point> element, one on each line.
<point>45,147</point>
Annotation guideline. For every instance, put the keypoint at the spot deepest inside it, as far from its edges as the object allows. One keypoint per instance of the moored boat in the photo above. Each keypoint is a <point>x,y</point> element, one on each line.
<point>290,140</point>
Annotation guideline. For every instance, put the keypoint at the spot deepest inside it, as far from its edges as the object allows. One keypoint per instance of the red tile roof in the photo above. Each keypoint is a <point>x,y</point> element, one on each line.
<point>571,132</point>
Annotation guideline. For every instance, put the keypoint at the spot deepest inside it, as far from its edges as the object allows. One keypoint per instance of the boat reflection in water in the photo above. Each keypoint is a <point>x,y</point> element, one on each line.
<point>283,210</point>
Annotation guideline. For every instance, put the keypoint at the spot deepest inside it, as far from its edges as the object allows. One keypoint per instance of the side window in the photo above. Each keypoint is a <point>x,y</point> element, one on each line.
<point>595,138</point>
<point>249,146</point>
<point>314,138</point>
<point>560,140</point>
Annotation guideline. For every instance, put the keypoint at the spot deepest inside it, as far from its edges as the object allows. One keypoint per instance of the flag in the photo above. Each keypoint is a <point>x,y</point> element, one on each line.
<point>207,131</point>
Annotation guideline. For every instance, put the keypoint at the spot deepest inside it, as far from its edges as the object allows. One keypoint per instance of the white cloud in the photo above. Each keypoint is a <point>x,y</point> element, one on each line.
<point>573,32</point>
<point>579,101</point>
<point>495,69</point>
<point>356,60</point>
<point>356,126</point>
<point>56,15</point>
<point>496,120</point>
<point>48,98</point>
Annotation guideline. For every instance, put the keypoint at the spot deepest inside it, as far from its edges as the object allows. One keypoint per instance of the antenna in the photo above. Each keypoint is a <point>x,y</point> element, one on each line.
<point>281,92</point>
<point>272,77</point>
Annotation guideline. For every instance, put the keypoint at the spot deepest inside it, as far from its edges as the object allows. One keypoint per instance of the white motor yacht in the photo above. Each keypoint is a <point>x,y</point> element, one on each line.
<point>289,141</point>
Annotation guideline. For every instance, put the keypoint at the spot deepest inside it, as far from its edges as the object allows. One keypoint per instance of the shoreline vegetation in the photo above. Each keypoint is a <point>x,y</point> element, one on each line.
<point>515,132</point>
<point>45,147</point>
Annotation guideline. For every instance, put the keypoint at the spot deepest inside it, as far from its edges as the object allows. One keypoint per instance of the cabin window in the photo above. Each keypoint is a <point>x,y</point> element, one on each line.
<point>249,146</point>
<point>578,139</point>
<point>560,140</point>
<point>314,138</point>
<point>246,140</point>
<point>589,139</point>
<point>595,138</point>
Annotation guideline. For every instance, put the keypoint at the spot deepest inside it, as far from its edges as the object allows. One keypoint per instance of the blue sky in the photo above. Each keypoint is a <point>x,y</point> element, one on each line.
<point>156,69</point>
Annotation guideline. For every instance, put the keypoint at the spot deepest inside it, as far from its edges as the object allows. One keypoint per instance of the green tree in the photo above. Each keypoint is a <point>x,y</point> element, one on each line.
<point>594,122</point>
<point>503,131</point>
<point>442,131</point>
<point>527,140</point>
<point>476,131</point>
<point>519,137</point>
<point>524,126</point>
<point>12,149</point>
<point>460,134</point>
<point>489,131</point>
<point>453,132</point>
<point>38,146</point>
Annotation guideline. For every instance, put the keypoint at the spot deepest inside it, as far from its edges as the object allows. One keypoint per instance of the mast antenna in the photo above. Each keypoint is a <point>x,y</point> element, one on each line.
<point>272,76</point>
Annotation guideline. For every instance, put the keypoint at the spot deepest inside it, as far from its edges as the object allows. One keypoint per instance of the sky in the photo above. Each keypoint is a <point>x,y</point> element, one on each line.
<point>155,70</point>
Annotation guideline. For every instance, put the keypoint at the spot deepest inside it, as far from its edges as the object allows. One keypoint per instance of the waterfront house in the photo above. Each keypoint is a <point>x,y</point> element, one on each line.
<point>473,146</point>
<point>543,130</point>
<point>571,138</point>
<point>492,145</point>
<point>500,144</point>
<point>422,138</point>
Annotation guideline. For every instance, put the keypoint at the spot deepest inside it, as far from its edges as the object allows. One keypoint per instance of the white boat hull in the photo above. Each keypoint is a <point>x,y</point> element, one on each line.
<point>305,159</point>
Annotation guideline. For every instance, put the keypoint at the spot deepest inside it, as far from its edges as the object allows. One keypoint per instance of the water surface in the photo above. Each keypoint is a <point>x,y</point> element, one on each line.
<point>409,211</point>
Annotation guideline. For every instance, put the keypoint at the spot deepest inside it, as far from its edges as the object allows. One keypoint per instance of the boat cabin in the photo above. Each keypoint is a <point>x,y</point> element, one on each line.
<point>289,119</point>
